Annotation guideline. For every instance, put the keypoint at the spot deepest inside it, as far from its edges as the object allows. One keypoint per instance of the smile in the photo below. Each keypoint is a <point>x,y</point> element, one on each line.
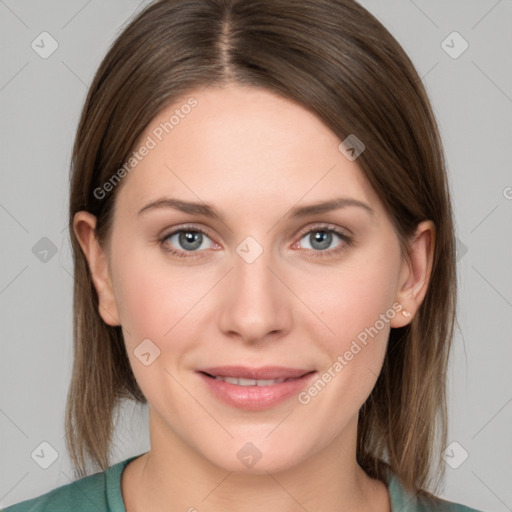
<point>250,382</point>
<point>254,389</point>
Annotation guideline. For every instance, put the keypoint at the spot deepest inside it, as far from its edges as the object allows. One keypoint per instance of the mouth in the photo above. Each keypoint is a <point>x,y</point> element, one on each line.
<point>240,381</point>
<point>248,373</point>
<point>254,388</point>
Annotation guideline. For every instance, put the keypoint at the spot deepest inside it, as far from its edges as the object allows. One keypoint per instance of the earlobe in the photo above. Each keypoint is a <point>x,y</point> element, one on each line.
<point>415,273</point>
<point>84,224</point>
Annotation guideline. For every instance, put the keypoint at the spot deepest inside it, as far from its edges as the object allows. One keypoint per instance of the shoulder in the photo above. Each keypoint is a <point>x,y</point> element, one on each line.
<point>87,493</point>
<point>440,505</point>
<point>100,492</point>
<point>403,501</point>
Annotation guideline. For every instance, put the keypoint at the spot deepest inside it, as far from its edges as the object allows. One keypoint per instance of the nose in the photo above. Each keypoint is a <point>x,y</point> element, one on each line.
<point>256,304</point>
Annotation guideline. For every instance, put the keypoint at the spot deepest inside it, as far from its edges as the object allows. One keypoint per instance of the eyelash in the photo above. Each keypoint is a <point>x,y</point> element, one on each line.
<point>347,241</point>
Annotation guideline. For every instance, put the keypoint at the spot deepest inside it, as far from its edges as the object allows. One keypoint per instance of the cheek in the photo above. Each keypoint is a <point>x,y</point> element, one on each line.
<point>152,296</point>
<point>352,297</point>
<point>357,313</point>
<point>355,305</point>
<point>156,302</point>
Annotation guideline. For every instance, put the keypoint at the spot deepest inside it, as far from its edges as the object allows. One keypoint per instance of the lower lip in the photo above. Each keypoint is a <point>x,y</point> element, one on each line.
<point>255,398</point>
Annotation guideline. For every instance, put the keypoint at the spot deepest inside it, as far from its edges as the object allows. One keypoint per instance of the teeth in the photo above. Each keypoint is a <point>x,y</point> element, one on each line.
<point>250,382</point>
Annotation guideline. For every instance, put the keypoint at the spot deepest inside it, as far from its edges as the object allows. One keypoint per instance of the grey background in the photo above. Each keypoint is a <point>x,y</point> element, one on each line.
<point>40,101</point>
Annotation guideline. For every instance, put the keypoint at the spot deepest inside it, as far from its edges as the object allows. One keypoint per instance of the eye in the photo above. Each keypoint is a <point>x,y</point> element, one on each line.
<point>186,240</point>
<point>191,241</point>
<point>320,240</point>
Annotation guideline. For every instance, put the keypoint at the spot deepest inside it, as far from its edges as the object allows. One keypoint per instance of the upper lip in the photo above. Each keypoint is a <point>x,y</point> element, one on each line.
<point>264,372</point>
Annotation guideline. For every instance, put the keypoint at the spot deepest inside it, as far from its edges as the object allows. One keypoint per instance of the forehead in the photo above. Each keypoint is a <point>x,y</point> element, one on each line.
<point>243,147</point>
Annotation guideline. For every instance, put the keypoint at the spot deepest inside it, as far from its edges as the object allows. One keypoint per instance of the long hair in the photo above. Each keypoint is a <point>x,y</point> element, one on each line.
<point>336,59</point>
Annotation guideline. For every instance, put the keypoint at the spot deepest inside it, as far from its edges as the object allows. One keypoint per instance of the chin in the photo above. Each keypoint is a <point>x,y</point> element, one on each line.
<point>257,457</point>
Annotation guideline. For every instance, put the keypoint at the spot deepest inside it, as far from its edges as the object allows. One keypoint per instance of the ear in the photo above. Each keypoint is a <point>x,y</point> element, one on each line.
<point>415,272</point>
<point>84,225</point>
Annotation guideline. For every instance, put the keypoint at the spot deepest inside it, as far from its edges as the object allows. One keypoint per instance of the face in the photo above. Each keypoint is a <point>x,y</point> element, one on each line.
<point>264,282</point>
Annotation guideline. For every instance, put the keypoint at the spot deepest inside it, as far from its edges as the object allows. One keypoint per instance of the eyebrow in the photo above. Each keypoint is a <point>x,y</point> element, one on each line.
<point>297,212</point>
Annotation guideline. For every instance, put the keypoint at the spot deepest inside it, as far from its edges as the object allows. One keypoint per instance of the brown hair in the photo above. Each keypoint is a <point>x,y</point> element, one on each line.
<point>336,59</point>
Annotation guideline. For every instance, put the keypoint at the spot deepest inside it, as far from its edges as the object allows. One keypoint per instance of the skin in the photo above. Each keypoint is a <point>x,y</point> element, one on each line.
<point>252,155</point>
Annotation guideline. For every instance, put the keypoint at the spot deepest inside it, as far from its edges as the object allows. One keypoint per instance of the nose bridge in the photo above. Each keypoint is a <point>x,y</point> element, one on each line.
<point>257,304</point>
<point>253,280</point>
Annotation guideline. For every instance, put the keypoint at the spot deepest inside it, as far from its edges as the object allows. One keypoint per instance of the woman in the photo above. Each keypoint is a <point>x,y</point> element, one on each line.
<point>264,253</point>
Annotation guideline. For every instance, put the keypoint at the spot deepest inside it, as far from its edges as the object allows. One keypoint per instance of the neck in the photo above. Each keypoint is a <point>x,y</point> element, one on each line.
<point>172,476</point>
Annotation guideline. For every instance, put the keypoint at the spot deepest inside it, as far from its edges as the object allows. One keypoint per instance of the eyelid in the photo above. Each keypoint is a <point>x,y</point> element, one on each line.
<point>186,227</point>
<point>327,227</point>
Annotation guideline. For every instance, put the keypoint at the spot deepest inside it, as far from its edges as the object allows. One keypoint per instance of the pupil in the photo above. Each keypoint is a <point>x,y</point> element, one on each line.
<point>192,238</point>
<point>323,238</point>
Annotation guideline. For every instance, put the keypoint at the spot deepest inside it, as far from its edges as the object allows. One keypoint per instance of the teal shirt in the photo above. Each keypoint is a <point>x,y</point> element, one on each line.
<point>101,492</point>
